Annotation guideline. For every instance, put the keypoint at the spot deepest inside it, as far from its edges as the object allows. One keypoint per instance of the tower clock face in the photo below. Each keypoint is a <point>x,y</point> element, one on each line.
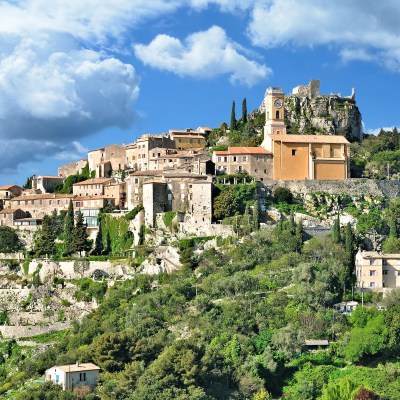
<point>278,103</point>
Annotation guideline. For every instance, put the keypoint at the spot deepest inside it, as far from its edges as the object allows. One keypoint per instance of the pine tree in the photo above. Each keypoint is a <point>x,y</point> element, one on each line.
<point>336,230</point>
<point>68,230</point>
<point>233,125</point>
<point>244,111</point>
<point>80,240</point>
<point>44,242</point>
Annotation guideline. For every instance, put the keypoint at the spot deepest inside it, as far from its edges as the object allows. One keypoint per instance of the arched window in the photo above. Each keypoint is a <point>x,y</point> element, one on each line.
<point>277,115</point>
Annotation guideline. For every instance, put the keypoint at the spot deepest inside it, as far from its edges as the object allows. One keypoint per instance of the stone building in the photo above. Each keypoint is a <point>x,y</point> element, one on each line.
<point>46,183</point>
<point>188,138</point>
<point>254,161</point>
<point>377,271</point>
<point>107,159</point>
<point>72,168</point>
<point>91,187</point>
<point>39,205</point>
<point>298,157</point>
<point>8,216</point>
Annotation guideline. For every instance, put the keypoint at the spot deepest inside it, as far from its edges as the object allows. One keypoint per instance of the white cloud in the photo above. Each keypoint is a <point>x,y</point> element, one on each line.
<point>203,54</point>
<point>376,131</point>
<point>362,29</point>
<point>73,152</point>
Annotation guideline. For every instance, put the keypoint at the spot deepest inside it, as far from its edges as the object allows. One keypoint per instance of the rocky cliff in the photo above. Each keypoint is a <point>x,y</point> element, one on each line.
<point>309,112</point>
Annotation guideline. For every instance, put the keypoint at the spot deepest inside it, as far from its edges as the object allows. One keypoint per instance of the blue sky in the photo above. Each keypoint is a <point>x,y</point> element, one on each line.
<point>81,74</point>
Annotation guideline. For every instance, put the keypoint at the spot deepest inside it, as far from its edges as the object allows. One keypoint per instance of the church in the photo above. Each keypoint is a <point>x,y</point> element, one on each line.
<point>300,157</point>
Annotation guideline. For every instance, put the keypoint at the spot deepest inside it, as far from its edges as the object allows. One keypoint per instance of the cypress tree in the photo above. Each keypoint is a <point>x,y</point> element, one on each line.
<point>292,224</point>
<point>233,125</point>
<point>80,240</point>
<point>98,244</point>
<point>44,242</point>
<point>68,230</point>
<point>244,111</point>
<point>336,230</point>
<point>299,235</point>
<point>256,217</point>
<point>392,228</point>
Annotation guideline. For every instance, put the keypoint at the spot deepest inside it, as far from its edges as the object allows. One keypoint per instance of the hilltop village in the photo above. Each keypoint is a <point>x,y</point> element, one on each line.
<point>176,172</point>
<point>256,261</point>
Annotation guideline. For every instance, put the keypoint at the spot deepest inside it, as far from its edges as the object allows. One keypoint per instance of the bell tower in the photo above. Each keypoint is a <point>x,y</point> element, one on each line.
<point>274,112</point>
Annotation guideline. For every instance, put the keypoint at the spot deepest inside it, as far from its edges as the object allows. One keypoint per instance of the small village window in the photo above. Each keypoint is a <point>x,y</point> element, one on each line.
<point>82,376</point>
<point>385,272</point>
<point>234,158</point>
<point>293,152</point>
<point>373,273</point>
<point>277,115</point>
<point>245,158</point>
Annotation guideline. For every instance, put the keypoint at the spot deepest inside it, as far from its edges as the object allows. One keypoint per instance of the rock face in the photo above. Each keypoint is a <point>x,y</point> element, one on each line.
<point>309,112</point>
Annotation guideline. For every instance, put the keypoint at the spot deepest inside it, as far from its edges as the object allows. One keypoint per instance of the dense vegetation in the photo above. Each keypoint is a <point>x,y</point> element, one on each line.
<point>231,325</point>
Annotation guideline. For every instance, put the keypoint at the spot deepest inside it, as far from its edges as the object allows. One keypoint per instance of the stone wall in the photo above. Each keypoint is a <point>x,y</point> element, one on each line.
<point>29,331</point>
<point>351,187</point>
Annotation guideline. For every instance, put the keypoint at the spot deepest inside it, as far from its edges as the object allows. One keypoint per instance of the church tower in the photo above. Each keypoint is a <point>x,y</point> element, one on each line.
<point>274,112</point>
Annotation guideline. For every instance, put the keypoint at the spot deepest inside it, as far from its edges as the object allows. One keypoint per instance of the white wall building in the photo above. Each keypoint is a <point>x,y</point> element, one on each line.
<point>74,375</point>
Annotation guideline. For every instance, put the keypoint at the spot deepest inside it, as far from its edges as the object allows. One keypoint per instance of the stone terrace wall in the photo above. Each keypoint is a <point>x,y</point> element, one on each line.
<point>352,187</point>
<point>28,331</point>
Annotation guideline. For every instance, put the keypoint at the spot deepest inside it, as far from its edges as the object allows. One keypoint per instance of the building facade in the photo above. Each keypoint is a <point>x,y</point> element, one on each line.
<point>377,271</point>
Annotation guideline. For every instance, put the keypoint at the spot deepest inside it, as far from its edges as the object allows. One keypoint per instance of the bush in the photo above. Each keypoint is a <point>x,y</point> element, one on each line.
<point>282,195</point>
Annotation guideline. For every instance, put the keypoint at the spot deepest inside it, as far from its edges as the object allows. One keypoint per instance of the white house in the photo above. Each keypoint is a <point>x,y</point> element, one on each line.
<point>74,375</point>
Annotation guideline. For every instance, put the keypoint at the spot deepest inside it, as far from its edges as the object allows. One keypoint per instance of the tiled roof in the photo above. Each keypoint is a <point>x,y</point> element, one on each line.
<point>93,181</point>
<point>78,367</point>
<point>188,135</point>
<point>243,150</point>
<point>78,198</point>
<point>10,210</point>
<point>43,196</point>
<point>335,139</point>
<point>147,173</point>
<point>8,187</point>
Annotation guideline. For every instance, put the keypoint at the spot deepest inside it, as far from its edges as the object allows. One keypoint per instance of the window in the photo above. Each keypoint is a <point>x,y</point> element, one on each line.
<point>244,158</point>
<point>373,273</point>
<point>225,159</point>
<point>82,376</point>
<point>265,171</point>
<point>255,170</point>
<point>257,158</point>
<point>234,158</point>
<point>385,272</point>
<point>198,141</point>
<point>277,115</point>
<point>372,284</point>
<point>191,141</point>
<point>219,159</point>
<point>398,273</point>
<point>136,181</point>
<point>293,152</point>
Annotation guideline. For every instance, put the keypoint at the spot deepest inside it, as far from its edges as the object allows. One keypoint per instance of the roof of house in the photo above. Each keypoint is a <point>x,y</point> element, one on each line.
<point>78,198</point>
<point>242,150</point>
<point>376,254</point>
<point>188,135</point>
<point>43,196</point>
<point>8,187</point>
<point>51,177</point>
<point>287,138</point>
<point>77,367</point>
<point>317,342</point>
<point>10,210</point>
<point>93,181</point>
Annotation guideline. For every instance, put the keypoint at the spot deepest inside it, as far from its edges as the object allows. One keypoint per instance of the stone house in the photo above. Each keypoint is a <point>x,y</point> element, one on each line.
<point>46,183</point>
<point>180,192</point>
<point>188,139</point>
<point>39,205</point>
<point>73,376</point>
<point>91,187</point>
<point>107,159</point>
<point>377,271</point>
<point>9,191</point>
<point>8,216</point>
<point>299,157</point>
<point>254,161</point>
<point>72,168</point>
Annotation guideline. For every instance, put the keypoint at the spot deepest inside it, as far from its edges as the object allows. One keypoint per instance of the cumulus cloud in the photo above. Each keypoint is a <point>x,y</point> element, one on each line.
<point>203,54</point>
<point>363,29</point>
<point>73,152</point>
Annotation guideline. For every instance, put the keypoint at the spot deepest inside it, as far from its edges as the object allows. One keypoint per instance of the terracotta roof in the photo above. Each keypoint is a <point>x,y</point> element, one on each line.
<point>93,181</point>
<point>8,187</point>
<point>337,139</point>
<point>179,174</point>
<point>78,198</point>
<point>243,150</point>
<point>43,196</point>
<point>187,135</point>
<point>147,173</point>
<point>77,367</point>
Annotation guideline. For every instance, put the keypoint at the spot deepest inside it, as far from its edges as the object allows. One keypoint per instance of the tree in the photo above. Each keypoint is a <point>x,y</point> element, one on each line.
<point>336,230</point>
<point>256,216</point>
<point>80,240</point>
<point>44,242</point>
<point>68,229</point>
<point>9,240</point>
<point>233,125</point>
<point>244,111</point>
<point>283,195</point>
<point>81,266</point>
<point>98,244</point>
<point>225,204</point>
<point>366,394</point>
<point>28,183</point>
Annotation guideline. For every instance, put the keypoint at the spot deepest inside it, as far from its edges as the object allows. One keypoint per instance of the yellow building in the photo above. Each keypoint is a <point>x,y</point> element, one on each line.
<point>299,157</point>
